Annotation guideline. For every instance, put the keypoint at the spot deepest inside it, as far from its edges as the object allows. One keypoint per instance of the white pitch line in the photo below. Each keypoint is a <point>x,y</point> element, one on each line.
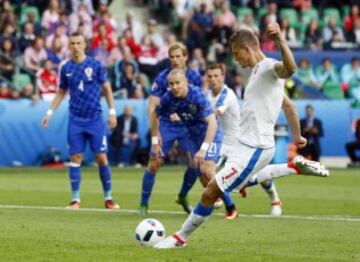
<point>294,217</point>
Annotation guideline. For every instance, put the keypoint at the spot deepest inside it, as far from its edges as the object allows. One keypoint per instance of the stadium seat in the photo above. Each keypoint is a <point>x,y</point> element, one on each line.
<point>242,12</point>
<point>21,80</point>
<point>331,12</point>
<point>260,13</point>
<point>333,91</point>
<point>291,15</point>
<point>27,9</point>
<point>308,15</point>
<point>345,9</point>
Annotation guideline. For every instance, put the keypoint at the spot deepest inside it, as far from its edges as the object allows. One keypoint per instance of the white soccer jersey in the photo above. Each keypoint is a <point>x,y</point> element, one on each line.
<point>227,103</point>
<point>261,106</point>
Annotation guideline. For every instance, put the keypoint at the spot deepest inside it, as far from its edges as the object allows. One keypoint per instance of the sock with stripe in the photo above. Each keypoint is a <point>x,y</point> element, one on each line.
<point>147,185</point>
<point>75,180</point>
<point>229,204</point>
<point>270,189</point>
<point>105,176</point>
<point>190,176</point>
<point>197,217</point>
<point>275,171</point>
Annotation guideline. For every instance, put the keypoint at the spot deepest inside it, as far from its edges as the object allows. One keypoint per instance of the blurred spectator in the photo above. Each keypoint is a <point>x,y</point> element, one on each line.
<point>289,33</point>
<point>327,73</point>
<point>332,34</point>
<point>156,38</point>
<point>197,61</point>
<point>305,73</point>
<point>7,65</point>
<point>313,38</point>
<point>117,52</point>
<point>302,5</point>
<point>81,17</point>
<point>125,138</point>
<point>238,85</point>
<point>119,67</point>
<point>65,22</point>
<point>6,92</point>
<point>311,129</point>
<point>102,54</point>
<point>127,82</point>
<point>350,20</point>
<point>217,52</point>
<point>270,17</point>
<point>350,77</point>
<point>224,23</point>
<point>51,16</point>
<point>354,146</point>
<point>31,18</point>
<point>354,34</point>
<point>249,23</point>
<point>131,43</point>
<point>27,37</point>
<point>47,81</point>
<point>8,32</point>
<point>148,58</point>
<point>59,35</point>
<point>88,4</point>
<point>34,55</point>
<point>27,91</point>
<point>200,27</point>
<point>131,24</point>
<point>56,53</point>
<point>163,52</point>
<point>103,34</point>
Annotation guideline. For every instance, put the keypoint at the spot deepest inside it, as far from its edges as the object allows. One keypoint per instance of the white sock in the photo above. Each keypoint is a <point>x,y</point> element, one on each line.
<point>274,171</point>
<point>190,225</point>
<point>272,193</point>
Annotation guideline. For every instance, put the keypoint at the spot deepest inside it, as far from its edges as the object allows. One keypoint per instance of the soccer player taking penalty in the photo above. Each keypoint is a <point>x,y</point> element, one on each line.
<point>261,107</point>
<point>85,78</point>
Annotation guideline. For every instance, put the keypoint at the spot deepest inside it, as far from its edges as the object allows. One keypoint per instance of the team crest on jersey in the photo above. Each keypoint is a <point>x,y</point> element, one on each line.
<point>88,72</point>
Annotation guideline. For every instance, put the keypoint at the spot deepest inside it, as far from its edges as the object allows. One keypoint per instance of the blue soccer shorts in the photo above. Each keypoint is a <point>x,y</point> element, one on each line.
<point>169,134</point>
<point>93,131</point>
<point>213,153</point>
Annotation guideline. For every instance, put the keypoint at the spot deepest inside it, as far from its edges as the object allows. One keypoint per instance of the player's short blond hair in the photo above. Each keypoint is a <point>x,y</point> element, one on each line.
<point>244,37</point>
<point>177,71</point>
<point>180,46</point>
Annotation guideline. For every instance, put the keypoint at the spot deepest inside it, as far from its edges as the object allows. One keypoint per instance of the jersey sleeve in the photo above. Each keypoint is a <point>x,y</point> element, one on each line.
<point>204,106</point>
<point>102,74</point>
<point>224,101</point>
<point>163,105</point>
<point>63,81</point>
<point>157,87</point>
<point>269,68</point>
<point>198,80</point>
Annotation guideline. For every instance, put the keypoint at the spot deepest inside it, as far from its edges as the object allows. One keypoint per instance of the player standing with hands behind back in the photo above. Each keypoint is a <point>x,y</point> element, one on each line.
<point>85,78</point>
<point>261,107</point>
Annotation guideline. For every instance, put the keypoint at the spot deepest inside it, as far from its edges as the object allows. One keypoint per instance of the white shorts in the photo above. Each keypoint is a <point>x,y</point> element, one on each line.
<point>242,163</point>
<point>225,152</point>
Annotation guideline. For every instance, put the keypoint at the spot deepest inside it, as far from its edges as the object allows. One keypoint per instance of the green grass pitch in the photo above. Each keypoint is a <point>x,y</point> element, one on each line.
<point>321,220</point>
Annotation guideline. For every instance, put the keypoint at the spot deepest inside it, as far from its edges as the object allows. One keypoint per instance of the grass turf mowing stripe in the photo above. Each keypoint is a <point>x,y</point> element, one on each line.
<point>329,218</point>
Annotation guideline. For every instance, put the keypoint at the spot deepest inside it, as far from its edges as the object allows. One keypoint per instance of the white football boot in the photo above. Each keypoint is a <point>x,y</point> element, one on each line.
<point>173,241</point>
<point>308,167</point>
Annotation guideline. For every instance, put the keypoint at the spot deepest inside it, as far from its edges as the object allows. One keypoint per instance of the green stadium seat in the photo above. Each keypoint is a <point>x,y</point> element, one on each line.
<point>27,9</point>
<point>291,15</point>
<point>331,12</point>
<point>242,12</point>
<point>20,80</point>
<point>333,90</point>
<point>308,15</point>
<point>345,9</point>
<point>260,12</point>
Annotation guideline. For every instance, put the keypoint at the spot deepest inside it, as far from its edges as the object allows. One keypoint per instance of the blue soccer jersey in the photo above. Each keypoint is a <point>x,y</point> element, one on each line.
<point>84,82</point>
<point>192,110</point>
<point>160,87</point>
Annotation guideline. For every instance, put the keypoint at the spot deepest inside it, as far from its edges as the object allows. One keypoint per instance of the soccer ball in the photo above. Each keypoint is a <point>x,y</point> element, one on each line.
<point>149,232</point>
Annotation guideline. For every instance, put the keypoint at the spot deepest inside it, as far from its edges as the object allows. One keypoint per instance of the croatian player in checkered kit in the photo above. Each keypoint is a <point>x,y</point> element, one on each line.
<point>85,78</point>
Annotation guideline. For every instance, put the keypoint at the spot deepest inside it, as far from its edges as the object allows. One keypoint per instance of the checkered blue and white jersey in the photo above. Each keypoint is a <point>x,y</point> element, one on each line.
<point>84,82</point>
